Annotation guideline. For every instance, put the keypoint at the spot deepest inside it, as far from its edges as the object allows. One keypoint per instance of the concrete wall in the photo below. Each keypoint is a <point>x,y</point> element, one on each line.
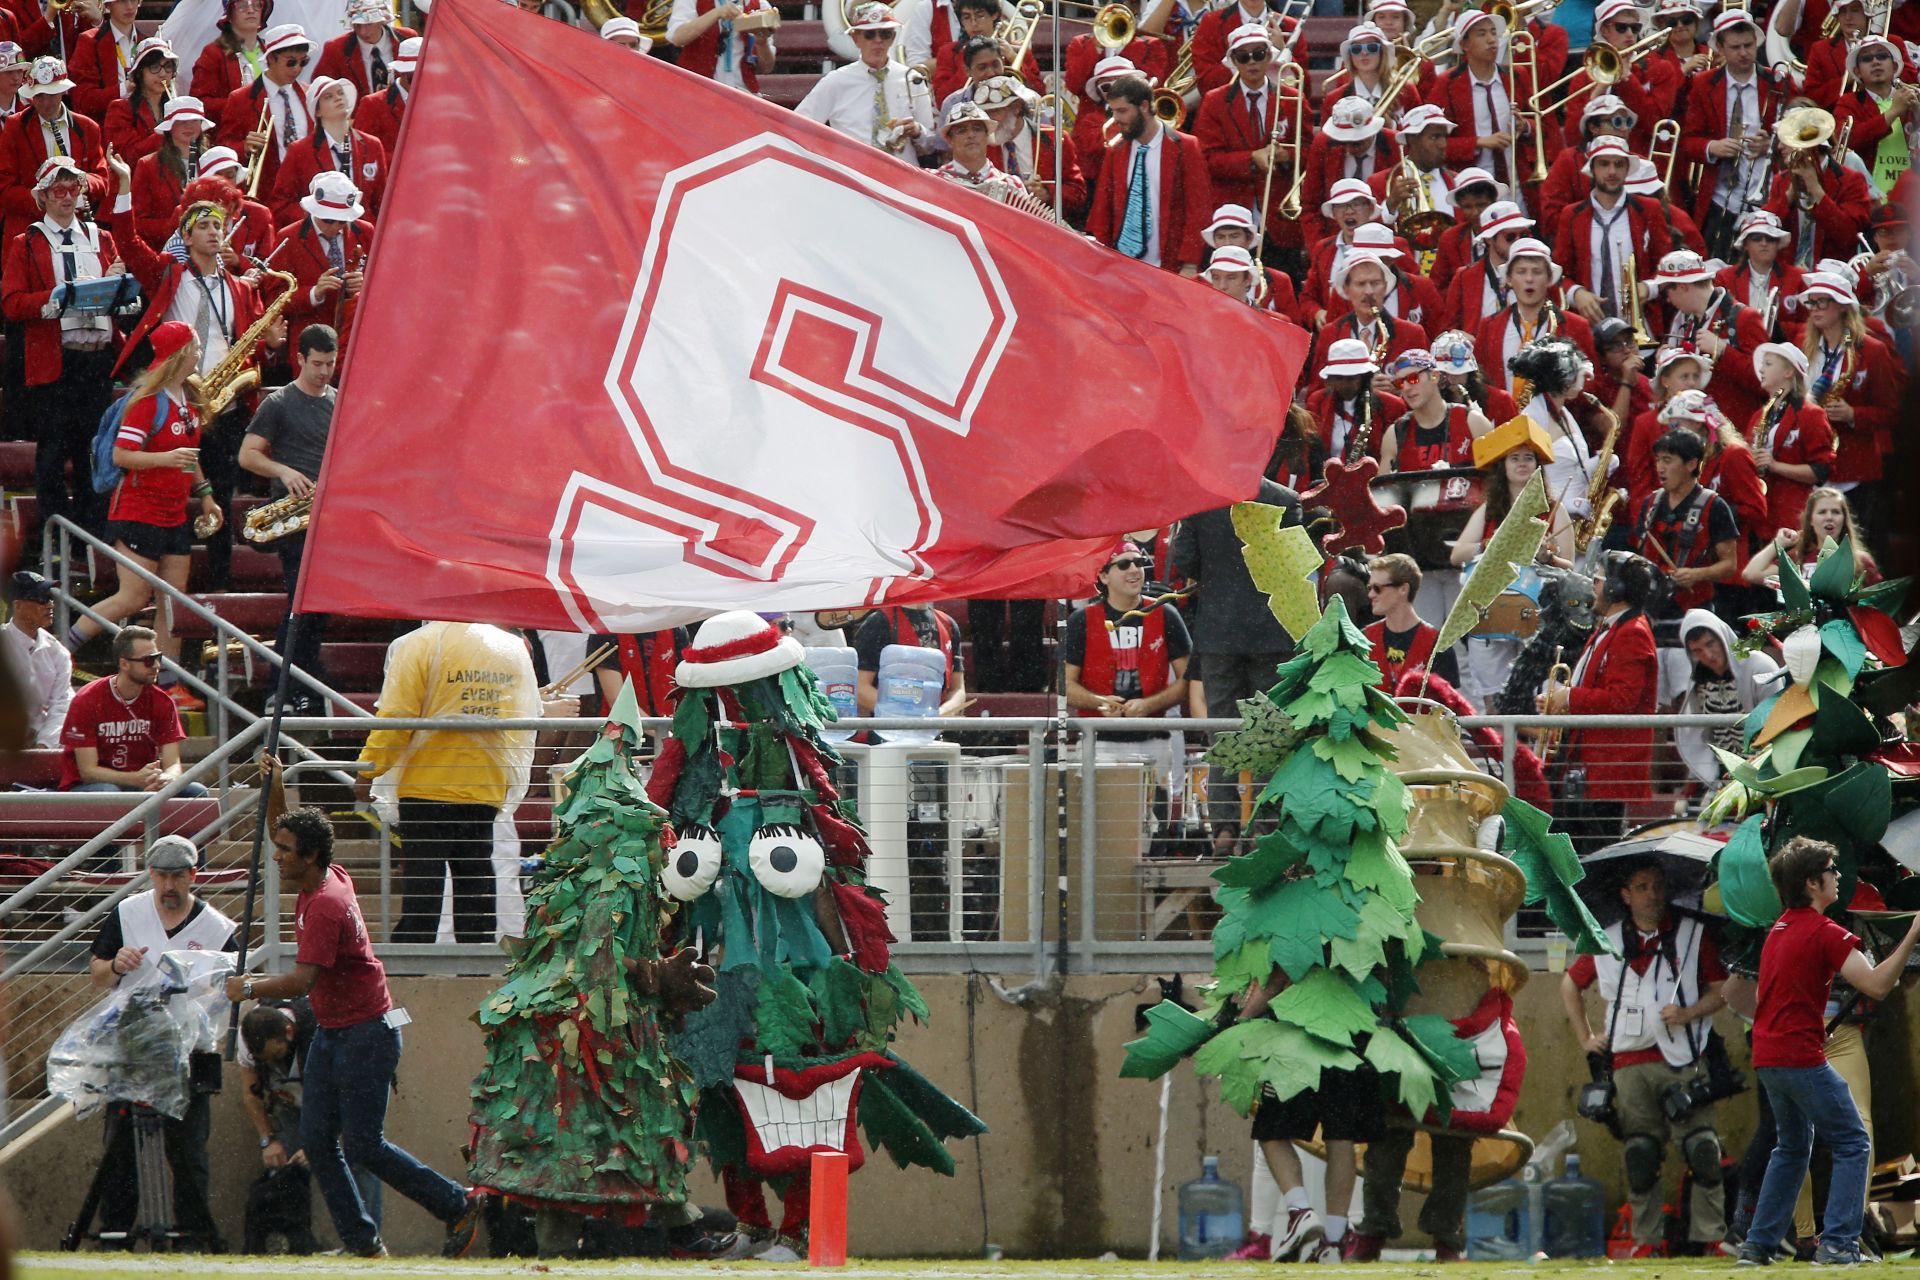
<point>1065,1172</point>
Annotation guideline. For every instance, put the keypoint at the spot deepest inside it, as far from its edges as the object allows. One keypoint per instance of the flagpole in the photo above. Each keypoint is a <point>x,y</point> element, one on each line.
<point>1059,114</point>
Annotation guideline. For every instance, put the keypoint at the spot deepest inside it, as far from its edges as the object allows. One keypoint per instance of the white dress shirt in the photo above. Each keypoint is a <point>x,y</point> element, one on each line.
<point>77,329</point>
<point>919,32</point>
<point>212,292</point>
<point>1152,256</point>
<point>277,114</point>
<point>1487,123</point>
<point>843,100</point>
<point>726,70</point>
<point>45,671</point>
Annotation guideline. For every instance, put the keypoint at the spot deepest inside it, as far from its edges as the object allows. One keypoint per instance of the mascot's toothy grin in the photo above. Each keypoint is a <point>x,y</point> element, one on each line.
<point>791,1114</point>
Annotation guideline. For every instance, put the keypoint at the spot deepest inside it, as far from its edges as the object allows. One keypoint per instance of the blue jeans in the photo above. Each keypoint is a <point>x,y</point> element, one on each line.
<point>192,789</point>
<point>343,1117</point>
<point>1806,1101</point>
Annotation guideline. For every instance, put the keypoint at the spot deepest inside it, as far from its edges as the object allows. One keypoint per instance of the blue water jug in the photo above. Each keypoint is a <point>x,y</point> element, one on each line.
<point>838,671</point>
<point>910,683</point>
<point>1213,1215</point>
<point>1497,1221</point>
<point>1575,1209</point>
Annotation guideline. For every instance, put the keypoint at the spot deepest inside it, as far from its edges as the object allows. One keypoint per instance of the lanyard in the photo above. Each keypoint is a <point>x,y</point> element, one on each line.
<point>219,304</point>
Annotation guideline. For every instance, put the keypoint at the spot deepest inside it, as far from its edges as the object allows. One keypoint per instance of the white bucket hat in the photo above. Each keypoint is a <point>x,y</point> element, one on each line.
<point>616,27</point>
<point>1532,248</point>
<point>320,84</point>
<point>47,75</point>
<point>288,35</point>
<point>1352,120</point>
<point>1786,351</point>
<point>1474,176</point>
<point>332,197</point>
<point>1376,238</point>
<point>1228,216</point>
<point>409,57</point>
<point>1682,266</point>
<point>180,111</point>
<point>1231,258</point>
<point>1345,190</point>
<point>1761,222</point>
<point>735,647</point>
<point>1348,357</point>
<point>1360,258</point>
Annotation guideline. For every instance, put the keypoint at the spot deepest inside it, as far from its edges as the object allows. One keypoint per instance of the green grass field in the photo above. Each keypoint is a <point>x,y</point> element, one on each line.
<point>75,1266</point>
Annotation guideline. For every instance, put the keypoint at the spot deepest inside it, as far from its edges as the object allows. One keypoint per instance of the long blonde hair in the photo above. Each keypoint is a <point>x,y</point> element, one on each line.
<point>164,373</point>
<point>1809,544</point>
<point>1852,325</point>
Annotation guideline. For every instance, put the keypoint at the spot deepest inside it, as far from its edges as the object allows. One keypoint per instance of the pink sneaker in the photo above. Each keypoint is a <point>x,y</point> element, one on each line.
<point>1258,1248</point>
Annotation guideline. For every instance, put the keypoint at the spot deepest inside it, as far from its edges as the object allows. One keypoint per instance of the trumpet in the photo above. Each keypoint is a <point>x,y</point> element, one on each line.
<point>1170,99</point>
<point>1558,674</point>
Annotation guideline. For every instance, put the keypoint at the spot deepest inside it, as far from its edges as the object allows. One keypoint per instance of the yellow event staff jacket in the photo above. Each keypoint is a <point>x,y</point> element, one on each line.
<point>456,669</point>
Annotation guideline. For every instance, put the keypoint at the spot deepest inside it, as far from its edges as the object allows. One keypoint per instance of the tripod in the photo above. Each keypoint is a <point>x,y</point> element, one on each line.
<point>135,1125</point>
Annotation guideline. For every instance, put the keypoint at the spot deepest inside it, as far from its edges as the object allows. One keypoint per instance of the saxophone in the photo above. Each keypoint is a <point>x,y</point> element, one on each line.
<point>1835,392</point>
<point>1601,497</point>
<point>227,381</point>
<point>278,519</point>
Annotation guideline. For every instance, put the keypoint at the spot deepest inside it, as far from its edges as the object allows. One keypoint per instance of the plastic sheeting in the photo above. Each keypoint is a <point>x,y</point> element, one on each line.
<point>137,1044</point>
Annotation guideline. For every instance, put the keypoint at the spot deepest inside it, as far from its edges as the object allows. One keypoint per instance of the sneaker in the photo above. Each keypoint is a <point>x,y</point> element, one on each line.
<point>461,1230</point>
<point>1719,1249</point>
<point>1303,1230</point>
<point>1325,1251</point>
<point>1361,1248</point>
<point>784,1249</point>
<point>1648,1251</point>
<point>1447,1253</point>
<point>1753,1255</point>
<point>711,1246</point>
<point>1258,1248</point>
<point>1824,1258</point>
<point>374,1250</point>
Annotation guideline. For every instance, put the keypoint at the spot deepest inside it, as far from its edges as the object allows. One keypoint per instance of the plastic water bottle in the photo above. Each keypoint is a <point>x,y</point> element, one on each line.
<point>1576,1215</point>
<point>1213,1215</point>
<point>1497,1222</point>
<point>839,673</point>
<point>909,683</point>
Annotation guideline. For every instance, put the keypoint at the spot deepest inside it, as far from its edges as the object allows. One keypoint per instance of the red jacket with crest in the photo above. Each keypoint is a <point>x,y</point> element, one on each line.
<point>26,286</point>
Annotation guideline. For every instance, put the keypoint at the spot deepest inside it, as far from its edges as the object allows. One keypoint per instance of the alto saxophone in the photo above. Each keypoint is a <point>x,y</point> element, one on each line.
<point>1362,438</point>
<point>221,385</point>
<point>1602,497</point>
<point>278,519</point>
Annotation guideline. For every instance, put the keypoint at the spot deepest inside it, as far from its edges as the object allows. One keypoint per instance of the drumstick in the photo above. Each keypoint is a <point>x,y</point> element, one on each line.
<point>1654,542</point>
<point>585,665</point>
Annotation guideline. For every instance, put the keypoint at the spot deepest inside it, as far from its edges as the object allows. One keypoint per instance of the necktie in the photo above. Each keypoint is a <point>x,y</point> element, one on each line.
<point>726,44</point>
<point>59,143</point>
<point>1493,126</point>
<point>287,135</point>
<point>1609,285</point>
<point>336,255</point>
<point>1526,331</point>
<point>67,261</point>
<point>1803,244</point>
<point>880,114</point>
<point>203,314</point>
<point>1134,226</point>
<point>1256,115</point>
<point>377,72</point>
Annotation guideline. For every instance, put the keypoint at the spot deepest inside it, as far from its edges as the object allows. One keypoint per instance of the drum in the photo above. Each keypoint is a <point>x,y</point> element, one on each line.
<point>1515,612</point>
<point>1437,503</point>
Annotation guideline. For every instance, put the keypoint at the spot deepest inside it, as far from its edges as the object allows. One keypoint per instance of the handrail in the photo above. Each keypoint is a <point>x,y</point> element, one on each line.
<point>176,597</point>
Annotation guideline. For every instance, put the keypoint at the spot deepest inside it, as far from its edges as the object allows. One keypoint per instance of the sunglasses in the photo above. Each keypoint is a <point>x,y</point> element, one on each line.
<point>1376,588</point>
<point>1128,564</point>
<point>1876,55</point>
<point>293,59</point>
<point>1627,28</point>
<point>1245,56</point>
<point>874,35</point>
<point>1831,869</point>
<point>1371,46</point>
<point>151,659</point>
<point>1407,379</point>
<point>1681,20</point>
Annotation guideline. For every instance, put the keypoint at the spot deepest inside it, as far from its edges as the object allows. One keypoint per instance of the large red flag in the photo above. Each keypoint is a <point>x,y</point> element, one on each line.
<point>641,348</point>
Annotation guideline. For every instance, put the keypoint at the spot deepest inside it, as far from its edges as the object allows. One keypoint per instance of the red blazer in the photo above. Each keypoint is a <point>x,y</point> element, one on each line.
<point>380,114</point>
<point>1387,410</point>
<point>1464,305</point>
<point>1838,221</point>
<point>1803,436</point>
<point>1210,46</point>
<point>1788,278</point>
<point>1415,300</point>
<point>1567,184</point>
<point>1733,385</point>
<point>216,77</point>
<point>1826,63</point>
<point>22,150</point>
<point>1317,295</point>
<point>1490,344</point>
<point>1873,392</point>
<point>312,155</point>
<point>26,285</point>
<point>1636,456</point>
<point>299,251</point>
<point>1456,251</point>
<point>1149,53</point>
<point>1403,336</point>
<point>1706,120</point>
<point>1186,200</point>
<point>1729,472</point>
<point>1326,162</point>
<point>156,200</point>
<point>1339,85</point>
<point>1621,679</point>
<point>160,276</point>
<point>1228,138</point>
<point>702,57</point>
<point>237,120</point>
<point>1869,124</point>
<point>1651,93</point>
<point>1682,230</point>
<point>1573,241</point>
<point>339,58</point>
<point>27,24</point>
<point>1089,139</point>
<point>1281,298</point>
<point>128,129</point>
<point>93,64</point>
<point>1454,91</point>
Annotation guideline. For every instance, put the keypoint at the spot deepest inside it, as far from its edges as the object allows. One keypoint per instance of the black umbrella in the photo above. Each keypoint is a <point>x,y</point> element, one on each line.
<point>1684,855</point>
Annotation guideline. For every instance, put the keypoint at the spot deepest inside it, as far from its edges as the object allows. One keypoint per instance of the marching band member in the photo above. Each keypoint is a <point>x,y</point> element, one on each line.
<point>380,113</point>
<point>1350,411</point>
<point>100,59</point>
<point>1210,36</point>
<point>968,132</point>
<point>1829,59</point>
<point>953,70</point>
<point>1882,107</point>
<point>1232,228</point>
<point>1474,194</point>
<point>1154,194</point>
<point>1824,204</point>
<point>621,30</point>
<point>1759,272</point>
<point>1350,145</point>
<point>1683,51</point>
<point>132,118</point>
<point>1532,276</point>
<point>1461,381</point>
<point>1023,149</point>
<point>1422,136</point>
<point>1237,131</point>
<point>1857,380</point>
<point>1707,319</point>
<point>1675,369</point>
<point>271,113</point>
<point>1601,234</point>
<point>234,58</point>
<point>980,58</point>
<point>873,100</point>
<point>160,175</point>
<point>1556,373</point>
<point>326,252</point>
<point>1891,271</point>
<point>1726,131</point>
<point>1362,70</point>
<point>30,138</point>
<point>1691,532</point>
<point>334,146</point>
<point>249,231</point>
<point>1568,183</point>
<point>1363,280</point>
<point>1728,470</point>
<point>1395,20</point>
<point>1433,432</point>
<point>1411,297</point>
<point>1230,270</point>
<point>13,77</point>
<point>69,358</point>
<point>1474,94</point>
<point>1617,380</point>
<point>1349,206</point>
<point>703,32</point>
<point>1476,291</point>
<point>1792,440</point>
<point>1090,127</point>
<point>1650,88</point>
<point>365,54</point>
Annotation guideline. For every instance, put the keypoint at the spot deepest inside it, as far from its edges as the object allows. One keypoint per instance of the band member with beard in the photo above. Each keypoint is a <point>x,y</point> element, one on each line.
<point>1246,128</point>
<point>1792,440</point>
<point>1532,277</point>
<point>1726,129</point>
<point>1351,414</point>
<point>1232,228</point>
<point>1477,290</point>
<point>1461,380</point>
<point>1363,281</point>
<point>1150,53</point>
<point>1600,235</point>
<point>1023,149</point>
<point>1706,319</point>
<point>133,123</point>
<point>1154,194</point>
<point>1092,125</point>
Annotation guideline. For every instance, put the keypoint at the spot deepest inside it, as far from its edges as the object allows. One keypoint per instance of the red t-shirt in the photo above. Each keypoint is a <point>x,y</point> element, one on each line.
<point>1803,952</point>
<point>330,933</point>
<point>128,735</point>
<point>1646,946</point>
<point>157,495</point>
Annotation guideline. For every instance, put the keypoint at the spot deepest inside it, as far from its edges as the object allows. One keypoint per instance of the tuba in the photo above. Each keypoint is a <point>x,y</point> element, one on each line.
<point>227,381</point>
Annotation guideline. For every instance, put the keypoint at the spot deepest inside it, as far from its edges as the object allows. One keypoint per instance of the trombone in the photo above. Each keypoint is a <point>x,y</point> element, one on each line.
<point>1017,33</point>
<point>1604,66</point>
<point>1408,70</point>
<point>1665,150</point>
<point>1522,48</point>
<point>1113,26</point>
<point>1290,76</point>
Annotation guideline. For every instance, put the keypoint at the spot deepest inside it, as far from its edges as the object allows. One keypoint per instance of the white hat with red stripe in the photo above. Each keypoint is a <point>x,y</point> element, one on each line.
<point>1608,10</point>
<point>1861,45</point>
<point>332,197</point>
<point>1675,9</point>
<point>1761,222</point>
<point>1376,238</point>
<point>152,46</point>
<point>286,36</point>
<point>1528,247</point>
<point>1682,266</point>
<point>1351,263</point>
<point>1474,176</point>
<point>1228,217</point>
<point>1732,20</point>
<point>1821,284</point>
<point>321,84</point>
<point>1105,72</point>
<point>1643,178</point>
<point>1345,190</point>
<point>733,648</point>
<point>1689,405</point>
<point>181,110</point>
<point>1348,358</point>
<point>409,57</point>
<point>1367,33</point>
<point>1607,147</point>
<point>1501,215</point>
<point>1352,120</point>
<point>52,168</point>
<point>1423,117</point>
<point>1467,22</point>
<point>1231,257</point>
<point>359,11</point>
<point>217,160</point>
<point>1390,6</point>
<point>1667,357</point>
<point>1609,105</point>
<point>1250,35</point>
<point>47,75</point>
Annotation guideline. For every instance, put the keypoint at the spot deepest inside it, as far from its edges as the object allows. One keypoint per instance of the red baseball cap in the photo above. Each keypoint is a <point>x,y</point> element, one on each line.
<point>169,338</point>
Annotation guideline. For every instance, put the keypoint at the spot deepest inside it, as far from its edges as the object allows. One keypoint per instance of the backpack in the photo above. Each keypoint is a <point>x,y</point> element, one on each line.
<point>106,474</point>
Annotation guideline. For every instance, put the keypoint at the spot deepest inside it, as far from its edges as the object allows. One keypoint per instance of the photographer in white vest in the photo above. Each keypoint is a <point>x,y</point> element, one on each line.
<point>145,926</point>
<point>1660,994</point>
